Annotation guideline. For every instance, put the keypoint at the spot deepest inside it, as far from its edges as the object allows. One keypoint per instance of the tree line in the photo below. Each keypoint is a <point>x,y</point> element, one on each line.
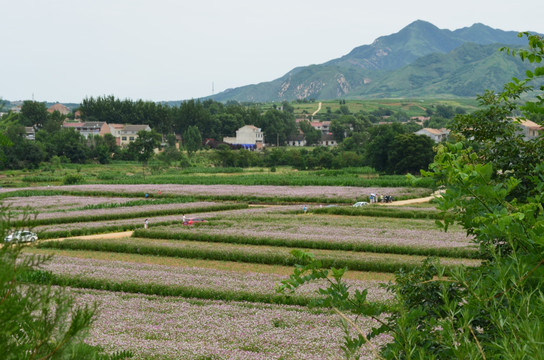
<point>389,148</point>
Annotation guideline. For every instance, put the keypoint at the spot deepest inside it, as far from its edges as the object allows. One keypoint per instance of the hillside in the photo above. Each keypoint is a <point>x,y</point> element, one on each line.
<point>420,60</point>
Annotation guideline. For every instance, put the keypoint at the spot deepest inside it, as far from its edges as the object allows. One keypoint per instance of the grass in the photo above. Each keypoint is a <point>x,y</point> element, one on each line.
<point>130,173</point>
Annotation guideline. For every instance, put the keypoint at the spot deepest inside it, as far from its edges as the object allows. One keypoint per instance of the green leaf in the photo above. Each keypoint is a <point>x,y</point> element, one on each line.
<point>539,71</point>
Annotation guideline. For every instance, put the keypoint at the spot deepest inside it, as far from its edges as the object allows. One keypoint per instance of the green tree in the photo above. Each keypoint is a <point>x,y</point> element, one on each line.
<point>54,122</point>
<point>311,134</point>
<point>192,139</point>
<point>21,152</point>
<point>33,113</point>
<point>143,148</point>
<point>381,139</point>
<point>410,153</point>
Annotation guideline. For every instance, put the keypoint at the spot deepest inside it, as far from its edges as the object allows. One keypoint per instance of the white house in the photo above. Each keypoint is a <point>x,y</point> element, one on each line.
<point>438,135</point>
<point>296,140</point>
<point>248,136</point>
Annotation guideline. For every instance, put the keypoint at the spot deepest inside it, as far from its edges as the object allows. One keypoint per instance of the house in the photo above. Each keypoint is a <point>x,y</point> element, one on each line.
<point>63,109</point>
<point>438,135</point>
<point>327,140</point>
<point>115,131</point>
<point>89,128</point>
<point>530,129</point>
<point>323,126</point>
<point>296,140</point>
<point>129,133</point>
<point>248,136</point>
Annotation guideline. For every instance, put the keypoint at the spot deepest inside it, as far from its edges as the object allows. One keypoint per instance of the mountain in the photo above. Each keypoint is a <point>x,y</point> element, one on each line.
<point>420,60</point>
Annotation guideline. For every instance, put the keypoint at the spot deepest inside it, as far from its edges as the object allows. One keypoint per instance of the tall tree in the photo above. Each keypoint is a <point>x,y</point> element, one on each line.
<point>144,146</point>
<point>33,113</point>
<point>410,153</point>
<point>381,138</point>
<point>311,134</point>
<point>192,139</point>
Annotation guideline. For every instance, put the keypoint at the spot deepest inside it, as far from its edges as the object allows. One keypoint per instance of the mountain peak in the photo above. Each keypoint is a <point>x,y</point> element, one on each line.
<point>365,67</point>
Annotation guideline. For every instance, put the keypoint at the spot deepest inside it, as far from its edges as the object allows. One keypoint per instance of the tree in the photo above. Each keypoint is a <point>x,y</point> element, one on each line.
<point>144,146</point>
<point>66,142</point>
<point>410,153</point>
<point>381,138</point>
<point>311,134</point>
<point>54,122</point>
<point>33,113</point>
<point>277,126</point>
<point>192,139</point>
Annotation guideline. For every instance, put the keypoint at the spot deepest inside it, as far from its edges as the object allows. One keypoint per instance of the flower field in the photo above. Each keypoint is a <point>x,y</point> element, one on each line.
<point>208,291</point>
<point>177,328</point>
<point>351,193</point>
<point>203,278</point>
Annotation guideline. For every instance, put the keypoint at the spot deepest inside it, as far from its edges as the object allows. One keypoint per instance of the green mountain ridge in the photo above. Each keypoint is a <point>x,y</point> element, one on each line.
<point>420,60</point>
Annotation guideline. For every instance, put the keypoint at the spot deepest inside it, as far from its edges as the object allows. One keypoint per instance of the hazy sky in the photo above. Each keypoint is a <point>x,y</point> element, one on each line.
<point>66,50</point>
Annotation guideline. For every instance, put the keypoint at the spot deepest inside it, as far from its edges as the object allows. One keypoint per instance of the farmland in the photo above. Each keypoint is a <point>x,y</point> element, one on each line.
<point>208,291</point>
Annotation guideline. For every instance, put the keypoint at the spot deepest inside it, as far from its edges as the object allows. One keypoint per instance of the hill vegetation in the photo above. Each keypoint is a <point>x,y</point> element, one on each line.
<point>420,60</point>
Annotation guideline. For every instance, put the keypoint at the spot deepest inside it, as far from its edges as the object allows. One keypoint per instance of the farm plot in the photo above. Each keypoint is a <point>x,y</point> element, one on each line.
<point>192,279</point>
<point>233,192</point>
<point>207,291</point>
<point>58,203</point>
<point>260,254</point>
<point>361,233</point>
<point>177,328</point>
<point>107,212</point>
<point>131,221</point>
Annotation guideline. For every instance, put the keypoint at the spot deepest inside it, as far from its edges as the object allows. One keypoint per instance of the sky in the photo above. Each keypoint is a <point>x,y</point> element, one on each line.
<point>164,50</point>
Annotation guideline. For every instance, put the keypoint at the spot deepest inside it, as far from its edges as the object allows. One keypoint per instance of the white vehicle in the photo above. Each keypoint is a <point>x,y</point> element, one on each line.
<point>21,236</point>
<point>360,203</point>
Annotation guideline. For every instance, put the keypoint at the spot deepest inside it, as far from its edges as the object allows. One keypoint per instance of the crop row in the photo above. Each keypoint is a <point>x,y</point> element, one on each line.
<point>248,254</point>
<point>194,279</point>
<point>110,215</point>
<point>380,211</point>
<point>325,194</point>
<point>276,180</point>
<point>324,244</point>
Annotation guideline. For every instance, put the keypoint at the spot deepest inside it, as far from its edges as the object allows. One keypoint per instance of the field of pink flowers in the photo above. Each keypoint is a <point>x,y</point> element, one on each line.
<point>179,328</point>
<point>176,328</point>
<point>138,222</point>
<point>327,192</point>
<point>60,202</point>
<point>122,210</point>
<point>201,278</point>
<point>349,229</point>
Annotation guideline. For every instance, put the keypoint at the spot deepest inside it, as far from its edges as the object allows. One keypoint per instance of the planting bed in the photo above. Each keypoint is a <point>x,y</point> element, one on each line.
<point>248,253</point>
<point>176,328</point>
<point>191,277</point>
<point>57,203</point>
<point>332,229</point>
<point>350,193</point>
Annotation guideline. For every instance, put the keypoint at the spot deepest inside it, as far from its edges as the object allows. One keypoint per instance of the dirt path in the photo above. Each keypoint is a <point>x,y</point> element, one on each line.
<point>115,235</point>
<point>318,109</point>
<point>415,201</point>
